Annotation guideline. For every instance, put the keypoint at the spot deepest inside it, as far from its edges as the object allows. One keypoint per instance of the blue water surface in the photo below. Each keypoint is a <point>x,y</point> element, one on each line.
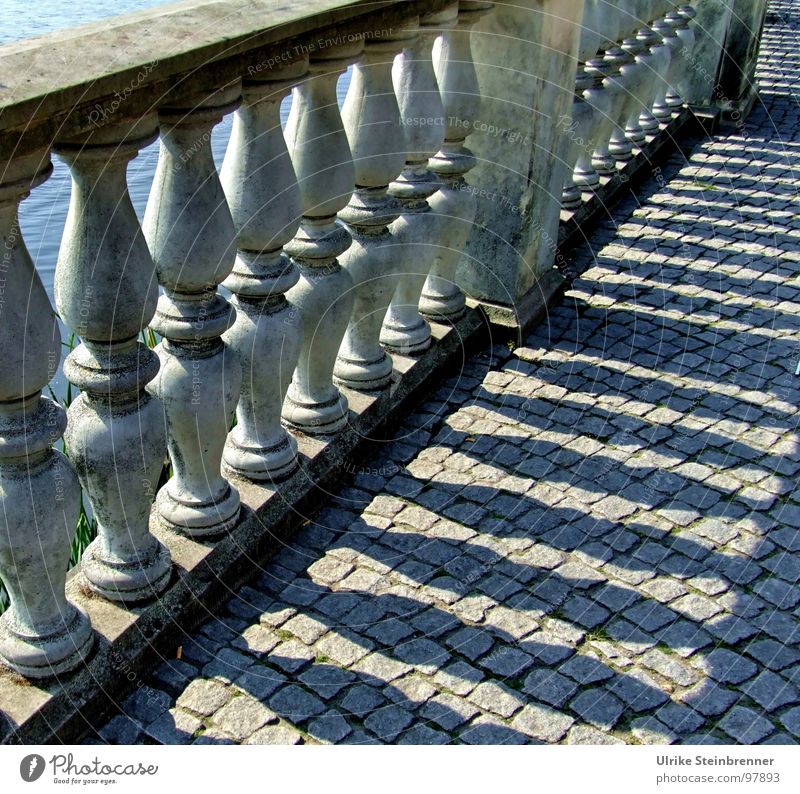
<point>43,214</point>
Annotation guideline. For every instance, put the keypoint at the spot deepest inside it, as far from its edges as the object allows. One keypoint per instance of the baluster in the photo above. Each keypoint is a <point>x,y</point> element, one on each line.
<point>598,34</point>
<point>599,99</point>
<point>417,230</point>
<point>625,58</point>
<point>576,141</point>
<point>372,122</point>
<point>442,300</point>
<point>106,291</point>
<point>614,71</point>
<point>646,39</point>
<point>662,55</point>
<point>605,68</point>
<point>261,186</point>
<point>41,632</point>
<point>680,19</point>
<point>323,295</point>
<point>190,232</point>
<point>662,109</point>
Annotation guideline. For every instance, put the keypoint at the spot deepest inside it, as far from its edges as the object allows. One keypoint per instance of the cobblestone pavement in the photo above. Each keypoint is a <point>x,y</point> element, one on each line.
<point>594,538</point>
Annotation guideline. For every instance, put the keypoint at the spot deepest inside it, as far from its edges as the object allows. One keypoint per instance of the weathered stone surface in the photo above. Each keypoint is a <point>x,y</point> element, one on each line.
<point>361,701</point>
<point>276,734</point>
<point>745,725</point>
<point>489,730</point>
<point>120,730</point>
<point>243,716</point>
<point>329,727</point>
<point>295,704</point>
<point>174,727</point>
<point>549,686</point>
<point>146,705</point>
<point>204,697</point>
<point>387,722</point>
<point>519,251</point>
<point>496,698</point>
<point>598,707</point>
<point>448,711</point>
<point>542,722</point>
<point>771,691</point>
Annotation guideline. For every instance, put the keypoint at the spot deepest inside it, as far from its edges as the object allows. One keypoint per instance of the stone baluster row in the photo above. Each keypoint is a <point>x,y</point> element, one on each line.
<point>631,74</point>
<point>337,238</point>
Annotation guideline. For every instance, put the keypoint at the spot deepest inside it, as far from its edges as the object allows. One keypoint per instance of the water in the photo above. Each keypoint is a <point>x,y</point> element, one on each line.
<point>43,214</point>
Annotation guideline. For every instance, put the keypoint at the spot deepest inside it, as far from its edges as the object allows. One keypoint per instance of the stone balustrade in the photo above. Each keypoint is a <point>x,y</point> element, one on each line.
<point>345,243</point>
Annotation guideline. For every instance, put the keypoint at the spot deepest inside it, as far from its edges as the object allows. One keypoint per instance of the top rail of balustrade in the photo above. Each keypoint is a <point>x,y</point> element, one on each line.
<point>64,84</point>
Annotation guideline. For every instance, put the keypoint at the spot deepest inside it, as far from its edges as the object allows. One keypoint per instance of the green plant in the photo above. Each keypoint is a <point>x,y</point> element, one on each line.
<point>85,533</point>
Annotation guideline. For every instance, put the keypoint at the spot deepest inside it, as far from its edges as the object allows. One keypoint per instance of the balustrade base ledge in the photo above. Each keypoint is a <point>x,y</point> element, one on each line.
<point>517,320</point>
<point>132,641</point>
<point>734,114</point>
<point>708,119</point>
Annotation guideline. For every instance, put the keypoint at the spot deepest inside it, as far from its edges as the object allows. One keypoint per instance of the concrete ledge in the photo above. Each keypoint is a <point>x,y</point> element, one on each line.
<point>65,84</point>
<point>130,641</point>
<point>735,115</point>
<point>530,308</point>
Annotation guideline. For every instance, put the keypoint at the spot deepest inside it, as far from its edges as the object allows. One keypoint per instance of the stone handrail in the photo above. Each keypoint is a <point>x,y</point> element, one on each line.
<point>341,240</point>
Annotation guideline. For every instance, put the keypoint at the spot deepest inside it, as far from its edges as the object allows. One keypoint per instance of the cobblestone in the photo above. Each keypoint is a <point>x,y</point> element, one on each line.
<point>771,691</point>
<point>745,725</point>
<point>296,704</point>
<point>550,687</point>
<point>496,698</point>
<point>276,734</point>
<point>542,722</point>
<point>598,707</point>
<point>120,730</point>
<point>175,726</point>
<point>387,722</point>
<point>448,711</point>
<point>204,697</point>
<point>330,727</point>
